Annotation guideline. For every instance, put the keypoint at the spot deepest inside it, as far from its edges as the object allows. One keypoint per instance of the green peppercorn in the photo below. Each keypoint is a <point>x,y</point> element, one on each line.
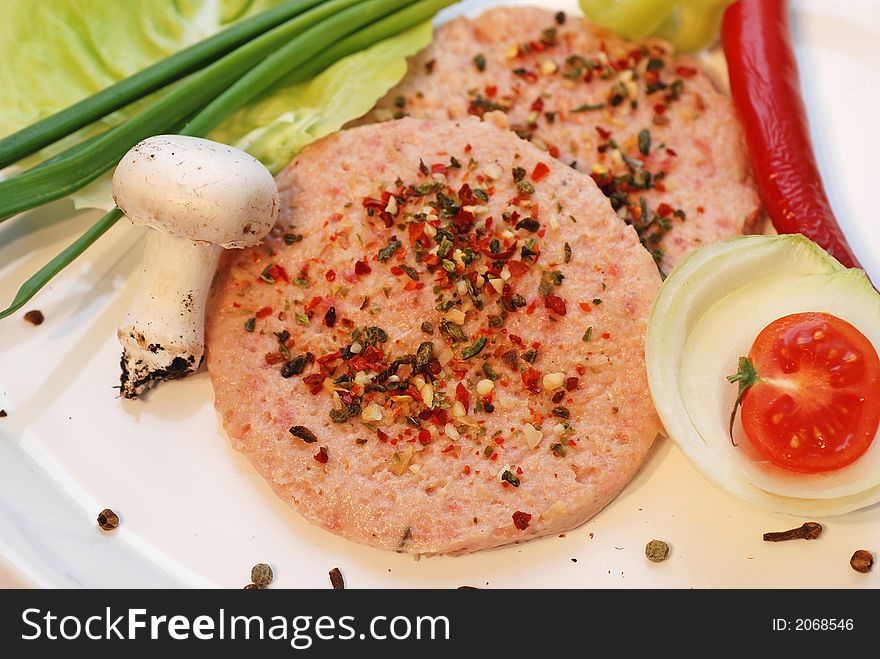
<point>657,551</point>
<point>261,575</point>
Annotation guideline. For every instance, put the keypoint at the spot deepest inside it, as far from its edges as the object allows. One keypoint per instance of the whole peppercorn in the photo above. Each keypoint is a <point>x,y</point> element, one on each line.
<point>862,561</point>
<point>34,317</point>
<point>261,575</point>
<point>656,551</point>
<point>108,520</point>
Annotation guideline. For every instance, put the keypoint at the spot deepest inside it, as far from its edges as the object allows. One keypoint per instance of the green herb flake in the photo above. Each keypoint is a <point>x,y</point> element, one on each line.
<point>587,107</point>
<point>509,477</point>
<point>480,62</point>
<point>250,324</point>
<point>529,224</point>
<point>423,355</point>
<point>291,238</point>
<point>488,372</point>
<point>588,335</point>
<point>387,252</point>
<point>644,141</point>
<point>453,330</point>
<point>526,188</point>
<point>474,349</point>
<point>411,272</point>
<point>266,274</point>
<point>567,251</point>
<point>424,189</point>
<point>373,335</point>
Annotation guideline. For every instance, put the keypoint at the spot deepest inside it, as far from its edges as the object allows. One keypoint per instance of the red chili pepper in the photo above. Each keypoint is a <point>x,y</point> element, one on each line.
<point>764,81</point>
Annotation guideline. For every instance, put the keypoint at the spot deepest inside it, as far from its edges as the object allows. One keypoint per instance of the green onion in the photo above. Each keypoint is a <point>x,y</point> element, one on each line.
<point>378,31</point>
<point>293,54</point>
<point>81,166</point>
<point>249,85</point>
<point>51,129</point>
<point>56,265</point>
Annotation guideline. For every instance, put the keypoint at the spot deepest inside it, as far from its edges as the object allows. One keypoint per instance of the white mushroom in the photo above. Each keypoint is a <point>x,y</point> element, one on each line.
<point>199,197</point>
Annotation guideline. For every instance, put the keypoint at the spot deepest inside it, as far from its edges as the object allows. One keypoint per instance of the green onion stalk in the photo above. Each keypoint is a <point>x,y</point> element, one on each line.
<point>297,48</point>
<point>51,129</point>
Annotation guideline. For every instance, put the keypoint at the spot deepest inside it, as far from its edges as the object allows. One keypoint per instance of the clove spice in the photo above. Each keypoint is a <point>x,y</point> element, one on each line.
<point>809,531</point>
<point>336,579</point>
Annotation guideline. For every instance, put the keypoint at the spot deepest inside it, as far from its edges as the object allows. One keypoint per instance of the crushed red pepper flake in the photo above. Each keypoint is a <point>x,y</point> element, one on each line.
<point>555,304</point>
<point>540,172</point>
<point>521,520</point>
<point>463,255</point>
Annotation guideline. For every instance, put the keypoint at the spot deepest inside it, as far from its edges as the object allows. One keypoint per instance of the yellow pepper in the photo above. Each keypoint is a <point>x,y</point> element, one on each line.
<point>688,24</point>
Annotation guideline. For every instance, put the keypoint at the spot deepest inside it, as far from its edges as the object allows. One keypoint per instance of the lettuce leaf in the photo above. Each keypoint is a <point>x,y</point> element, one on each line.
<point>56,52</point>
<point>275,128</point>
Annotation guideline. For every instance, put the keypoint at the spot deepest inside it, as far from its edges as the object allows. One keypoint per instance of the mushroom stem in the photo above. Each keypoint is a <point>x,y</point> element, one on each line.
<point>163,334</point>
<point>199,197</point>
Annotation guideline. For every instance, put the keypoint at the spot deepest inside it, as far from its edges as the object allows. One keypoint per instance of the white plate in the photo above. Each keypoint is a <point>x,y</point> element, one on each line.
<point>194,513</point>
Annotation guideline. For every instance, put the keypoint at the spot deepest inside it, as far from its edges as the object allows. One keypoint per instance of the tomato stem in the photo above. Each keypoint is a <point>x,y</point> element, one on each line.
<point>746,376</point>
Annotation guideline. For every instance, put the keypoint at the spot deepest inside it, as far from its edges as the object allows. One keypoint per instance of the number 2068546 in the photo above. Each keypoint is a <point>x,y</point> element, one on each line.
<point>813,624</point>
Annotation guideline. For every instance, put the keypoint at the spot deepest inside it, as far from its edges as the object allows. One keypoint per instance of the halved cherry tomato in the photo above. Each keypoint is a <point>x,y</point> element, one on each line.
<point>815,404</point>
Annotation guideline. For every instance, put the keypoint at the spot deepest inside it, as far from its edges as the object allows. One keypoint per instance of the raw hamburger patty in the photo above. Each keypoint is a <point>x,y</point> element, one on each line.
<point>645,125</point>
<point>461,322</point>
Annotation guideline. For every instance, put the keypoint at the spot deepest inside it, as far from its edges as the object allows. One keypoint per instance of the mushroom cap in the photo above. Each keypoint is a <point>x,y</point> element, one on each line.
<point>197,189</point>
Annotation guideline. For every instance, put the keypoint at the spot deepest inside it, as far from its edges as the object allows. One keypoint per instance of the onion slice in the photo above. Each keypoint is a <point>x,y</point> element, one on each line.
<point>708,313</point>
